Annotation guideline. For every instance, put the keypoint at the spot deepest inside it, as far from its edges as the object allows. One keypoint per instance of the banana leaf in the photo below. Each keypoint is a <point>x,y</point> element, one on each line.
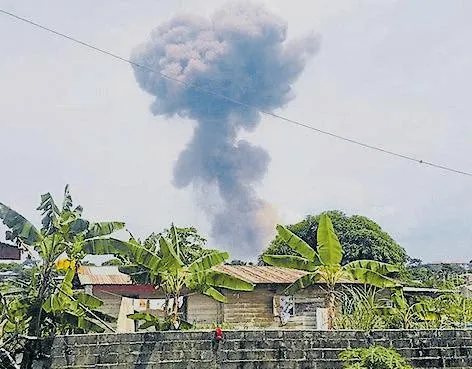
<point>103,229</point>
<point>223,280</point>
<point>89,301</point>
<point>134,252</point>
<point>215,294</point>
<point>208,261</point>
<point>170,259</point>
<point>368,276</point>
<point>20,227</point>
<point>375,266</point>
<point>296,243</point>
<point>329,247</point>
<point>49,210</point>
<point>67,202</point>
<point>302,282</point>
<point>290,261</point>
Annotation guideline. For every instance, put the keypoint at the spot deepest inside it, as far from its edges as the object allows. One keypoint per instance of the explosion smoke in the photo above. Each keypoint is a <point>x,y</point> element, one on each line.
<point>241,53</point>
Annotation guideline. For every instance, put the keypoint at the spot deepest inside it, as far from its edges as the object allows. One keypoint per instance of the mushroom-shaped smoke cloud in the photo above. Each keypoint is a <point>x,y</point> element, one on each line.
<point>241,53</point>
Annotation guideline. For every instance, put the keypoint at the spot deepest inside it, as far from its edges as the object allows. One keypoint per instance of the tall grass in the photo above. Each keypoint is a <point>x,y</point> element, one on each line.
<point>359,309</point>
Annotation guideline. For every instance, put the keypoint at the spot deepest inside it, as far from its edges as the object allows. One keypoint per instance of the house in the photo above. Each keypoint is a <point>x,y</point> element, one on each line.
<point>266,306</point>
<point>9,252</point>
<point>119,295</point>
<point>456,266</point>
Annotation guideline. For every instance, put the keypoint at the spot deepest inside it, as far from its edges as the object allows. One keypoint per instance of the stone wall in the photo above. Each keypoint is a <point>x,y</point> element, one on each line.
<point>270,349</point>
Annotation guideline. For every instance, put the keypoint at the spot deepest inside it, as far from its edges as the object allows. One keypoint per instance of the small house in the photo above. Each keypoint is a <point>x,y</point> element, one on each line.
<point>119,295</point>
<point>267,305</point>
<point>9,252</point>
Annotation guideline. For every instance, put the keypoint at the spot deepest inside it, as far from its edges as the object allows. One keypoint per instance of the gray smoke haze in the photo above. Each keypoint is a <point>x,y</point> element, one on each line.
<point>241,52</point>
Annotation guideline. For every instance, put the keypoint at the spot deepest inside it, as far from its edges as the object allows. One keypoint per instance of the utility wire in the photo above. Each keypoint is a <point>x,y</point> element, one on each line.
<point>237,102</point>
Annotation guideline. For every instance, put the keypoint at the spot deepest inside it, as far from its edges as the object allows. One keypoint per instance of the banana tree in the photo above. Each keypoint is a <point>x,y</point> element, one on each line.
<point>323,265</point>
<point>163,266</point>
<point>62,234</point>
<point>405,315</point>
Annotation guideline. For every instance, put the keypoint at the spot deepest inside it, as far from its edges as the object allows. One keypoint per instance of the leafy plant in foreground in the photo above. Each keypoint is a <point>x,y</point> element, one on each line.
<point>374,357</point>
<point>46,304</point>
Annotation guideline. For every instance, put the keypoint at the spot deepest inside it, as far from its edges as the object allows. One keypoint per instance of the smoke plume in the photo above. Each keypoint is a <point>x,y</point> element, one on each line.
<point>242,52</point>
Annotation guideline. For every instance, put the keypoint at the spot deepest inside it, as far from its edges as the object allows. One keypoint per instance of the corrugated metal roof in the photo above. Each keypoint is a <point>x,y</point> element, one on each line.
<point>90,275</point>
<point>262,274</point>
<point>427,290</point>
<point>110,275</point>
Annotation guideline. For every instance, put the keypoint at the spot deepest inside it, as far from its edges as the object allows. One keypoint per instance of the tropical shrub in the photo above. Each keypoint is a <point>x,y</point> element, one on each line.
<point>46,304</point>
<point>374,357</point>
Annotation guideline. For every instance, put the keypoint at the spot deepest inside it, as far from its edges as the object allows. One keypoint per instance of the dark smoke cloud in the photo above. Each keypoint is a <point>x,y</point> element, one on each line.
<point>242,53</point>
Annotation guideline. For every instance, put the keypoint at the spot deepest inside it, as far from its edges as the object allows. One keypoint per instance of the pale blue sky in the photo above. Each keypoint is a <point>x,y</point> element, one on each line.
<point>392,73</point>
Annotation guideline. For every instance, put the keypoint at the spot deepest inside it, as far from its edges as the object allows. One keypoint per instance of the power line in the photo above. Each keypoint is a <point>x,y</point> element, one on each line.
<point>237,102</point>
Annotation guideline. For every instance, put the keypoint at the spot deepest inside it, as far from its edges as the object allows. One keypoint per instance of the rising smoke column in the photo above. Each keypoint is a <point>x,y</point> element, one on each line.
<point>241,53</point>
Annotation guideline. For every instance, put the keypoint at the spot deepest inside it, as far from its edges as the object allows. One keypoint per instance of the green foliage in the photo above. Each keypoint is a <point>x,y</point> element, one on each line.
<point>159,324</point>
<point>239,262</point>
<point>324,265</point>
<point>374,357</point>
<point>13,267</point>
<point>442,276</point>
<point>360,309</point>
<point>43,302</point>
<point>362,239</point>
<point>329,247</point>
<point>446,311</point>
<point>371,308</point>
<point>214,325</point>
<point>113,262</point>
<point>192,245</point>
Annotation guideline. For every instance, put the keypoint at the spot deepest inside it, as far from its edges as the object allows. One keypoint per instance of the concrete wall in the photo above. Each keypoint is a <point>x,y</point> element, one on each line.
<point>271,349</point>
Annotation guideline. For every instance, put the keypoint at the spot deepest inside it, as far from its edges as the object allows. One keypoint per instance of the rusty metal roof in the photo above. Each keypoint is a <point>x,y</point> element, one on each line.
<point>262,274</point>
<point>95,275</point>
<point>110,275</point>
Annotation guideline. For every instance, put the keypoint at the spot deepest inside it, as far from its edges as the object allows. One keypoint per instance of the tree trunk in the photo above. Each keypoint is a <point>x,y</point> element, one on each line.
<point>34,329</point>
<point>331,308</point>
<point>175,312</point>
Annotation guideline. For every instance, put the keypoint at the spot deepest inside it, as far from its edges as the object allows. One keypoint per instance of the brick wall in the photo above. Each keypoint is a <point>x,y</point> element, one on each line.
<point>271,349</point>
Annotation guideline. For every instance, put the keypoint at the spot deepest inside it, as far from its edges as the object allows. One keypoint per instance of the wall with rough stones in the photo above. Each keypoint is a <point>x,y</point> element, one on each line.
<point>251,349</point>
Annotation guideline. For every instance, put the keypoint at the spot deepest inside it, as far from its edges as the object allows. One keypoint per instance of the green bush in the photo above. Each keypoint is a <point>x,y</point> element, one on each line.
<point>360,309</point>
<point>374,357</point>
